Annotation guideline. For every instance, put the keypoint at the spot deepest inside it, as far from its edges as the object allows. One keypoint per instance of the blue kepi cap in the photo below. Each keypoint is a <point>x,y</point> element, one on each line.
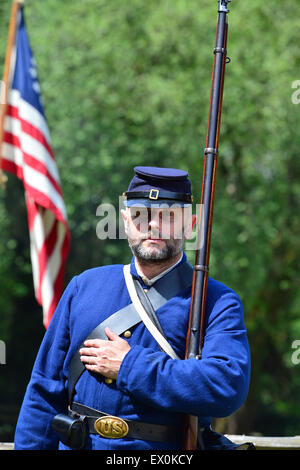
<point>154,186</point>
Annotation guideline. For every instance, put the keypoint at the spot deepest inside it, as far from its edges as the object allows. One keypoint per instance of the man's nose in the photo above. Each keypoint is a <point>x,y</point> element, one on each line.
<point>154,220</point>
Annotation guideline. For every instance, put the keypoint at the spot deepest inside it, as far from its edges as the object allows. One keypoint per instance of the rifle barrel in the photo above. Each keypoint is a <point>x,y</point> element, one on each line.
<point>196,329</point>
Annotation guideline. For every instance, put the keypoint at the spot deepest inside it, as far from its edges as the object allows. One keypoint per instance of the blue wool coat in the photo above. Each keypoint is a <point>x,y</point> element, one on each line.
<point>150,387</point>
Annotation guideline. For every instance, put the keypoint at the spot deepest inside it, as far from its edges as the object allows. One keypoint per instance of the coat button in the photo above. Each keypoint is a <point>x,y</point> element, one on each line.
<point>108,381</point>
<point>127,334</point>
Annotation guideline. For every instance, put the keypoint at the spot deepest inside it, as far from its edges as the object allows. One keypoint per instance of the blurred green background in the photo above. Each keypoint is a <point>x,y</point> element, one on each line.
<point>128,83</point>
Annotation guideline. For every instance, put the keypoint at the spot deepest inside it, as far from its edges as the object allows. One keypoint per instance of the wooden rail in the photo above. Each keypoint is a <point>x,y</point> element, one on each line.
<point>6,446</point>
<point>261,443</point>
<point>268,443</point>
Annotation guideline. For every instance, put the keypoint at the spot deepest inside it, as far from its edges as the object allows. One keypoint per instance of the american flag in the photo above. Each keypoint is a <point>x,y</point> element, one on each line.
<point>26,152</point>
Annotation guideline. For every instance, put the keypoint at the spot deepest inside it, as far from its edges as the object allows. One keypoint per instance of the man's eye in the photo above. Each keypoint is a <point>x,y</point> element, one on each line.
<point>166,216</point>
<point>169,215</point>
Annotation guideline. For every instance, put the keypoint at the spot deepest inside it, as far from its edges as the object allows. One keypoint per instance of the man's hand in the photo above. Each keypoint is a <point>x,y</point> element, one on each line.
<point>104,357</point>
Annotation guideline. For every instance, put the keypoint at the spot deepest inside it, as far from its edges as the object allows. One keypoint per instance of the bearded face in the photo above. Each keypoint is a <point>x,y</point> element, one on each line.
<point>156,234</point>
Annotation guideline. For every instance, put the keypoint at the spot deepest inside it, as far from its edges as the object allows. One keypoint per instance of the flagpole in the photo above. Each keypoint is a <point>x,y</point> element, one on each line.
<point>5,82</point>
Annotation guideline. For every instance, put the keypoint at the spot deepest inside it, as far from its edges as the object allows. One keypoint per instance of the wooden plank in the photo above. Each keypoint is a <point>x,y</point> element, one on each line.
<point>261,443</point>
<point>6,446</point>
<point>268,443</point>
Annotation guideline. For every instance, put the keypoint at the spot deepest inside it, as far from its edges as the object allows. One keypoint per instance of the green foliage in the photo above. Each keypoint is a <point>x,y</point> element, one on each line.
<point>127,83</point>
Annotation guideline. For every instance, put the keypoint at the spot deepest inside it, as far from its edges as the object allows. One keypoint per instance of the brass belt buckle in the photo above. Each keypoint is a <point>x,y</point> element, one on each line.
<point>111,427</point>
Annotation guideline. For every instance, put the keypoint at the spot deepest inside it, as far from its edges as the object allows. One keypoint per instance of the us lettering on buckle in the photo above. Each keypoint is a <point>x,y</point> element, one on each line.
<point>111,427</point>
<point>154,193</point>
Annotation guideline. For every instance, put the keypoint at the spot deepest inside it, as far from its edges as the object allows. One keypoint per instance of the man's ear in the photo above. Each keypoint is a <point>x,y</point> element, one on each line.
<point>124,215</point>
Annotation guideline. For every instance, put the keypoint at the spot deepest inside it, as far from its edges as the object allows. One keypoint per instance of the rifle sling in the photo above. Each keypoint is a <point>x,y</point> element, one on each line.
<point>165,288</point>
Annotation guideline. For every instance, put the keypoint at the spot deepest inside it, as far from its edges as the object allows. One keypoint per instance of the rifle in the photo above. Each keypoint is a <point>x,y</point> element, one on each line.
<point>196,328</point>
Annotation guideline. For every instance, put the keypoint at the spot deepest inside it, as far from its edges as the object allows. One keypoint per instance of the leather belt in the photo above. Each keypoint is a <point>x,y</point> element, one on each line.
<point>113,427</point>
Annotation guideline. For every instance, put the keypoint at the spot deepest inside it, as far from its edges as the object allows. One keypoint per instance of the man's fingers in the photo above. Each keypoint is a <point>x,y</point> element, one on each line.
<point>88,351</point>
<point>111,335</point>
<point>88,359</point>
<point>96,343</point>
<point>104,356</point>
<point>91,367</point>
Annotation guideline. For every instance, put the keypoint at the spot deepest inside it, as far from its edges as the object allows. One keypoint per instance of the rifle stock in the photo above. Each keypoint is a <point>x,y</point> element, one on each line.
<point>196,327</point>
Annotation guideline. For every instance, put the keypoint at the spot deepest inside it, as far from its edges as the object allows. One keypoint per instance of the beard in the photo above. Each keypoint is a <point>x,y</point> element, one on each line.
<point>171,248</point>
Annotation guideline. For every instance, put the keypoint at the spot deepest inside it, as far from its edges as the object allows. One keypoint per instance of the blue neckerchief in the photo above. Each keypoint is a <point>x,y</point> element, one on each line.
<point>135,274</point>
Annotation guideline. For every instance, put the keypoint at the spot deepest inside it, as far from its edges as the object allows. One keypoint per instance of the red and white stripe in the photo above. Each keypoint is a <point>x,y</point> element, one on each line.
<point>26,152</point>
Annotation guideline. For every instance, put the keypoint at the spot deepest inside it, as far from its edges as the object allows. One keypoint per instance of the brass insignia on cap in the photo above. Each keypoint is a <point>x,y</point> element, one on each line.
<point>111,427</point>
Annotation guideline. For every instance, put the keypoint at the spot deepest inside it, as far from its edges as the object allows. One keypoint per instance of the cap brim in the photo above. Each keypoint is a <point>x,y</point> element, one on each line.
<point>159,204</point>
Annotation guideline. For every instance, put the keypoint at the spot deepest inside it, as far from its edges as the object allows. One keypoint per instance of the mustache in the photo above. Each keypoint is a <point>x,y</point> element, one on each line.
<point>155,234</point>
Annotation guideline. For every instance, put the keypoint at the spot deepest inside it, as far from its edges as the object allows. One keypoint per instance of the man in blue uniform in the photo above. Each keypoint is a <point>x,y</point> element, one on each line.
<point>131,386</point>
